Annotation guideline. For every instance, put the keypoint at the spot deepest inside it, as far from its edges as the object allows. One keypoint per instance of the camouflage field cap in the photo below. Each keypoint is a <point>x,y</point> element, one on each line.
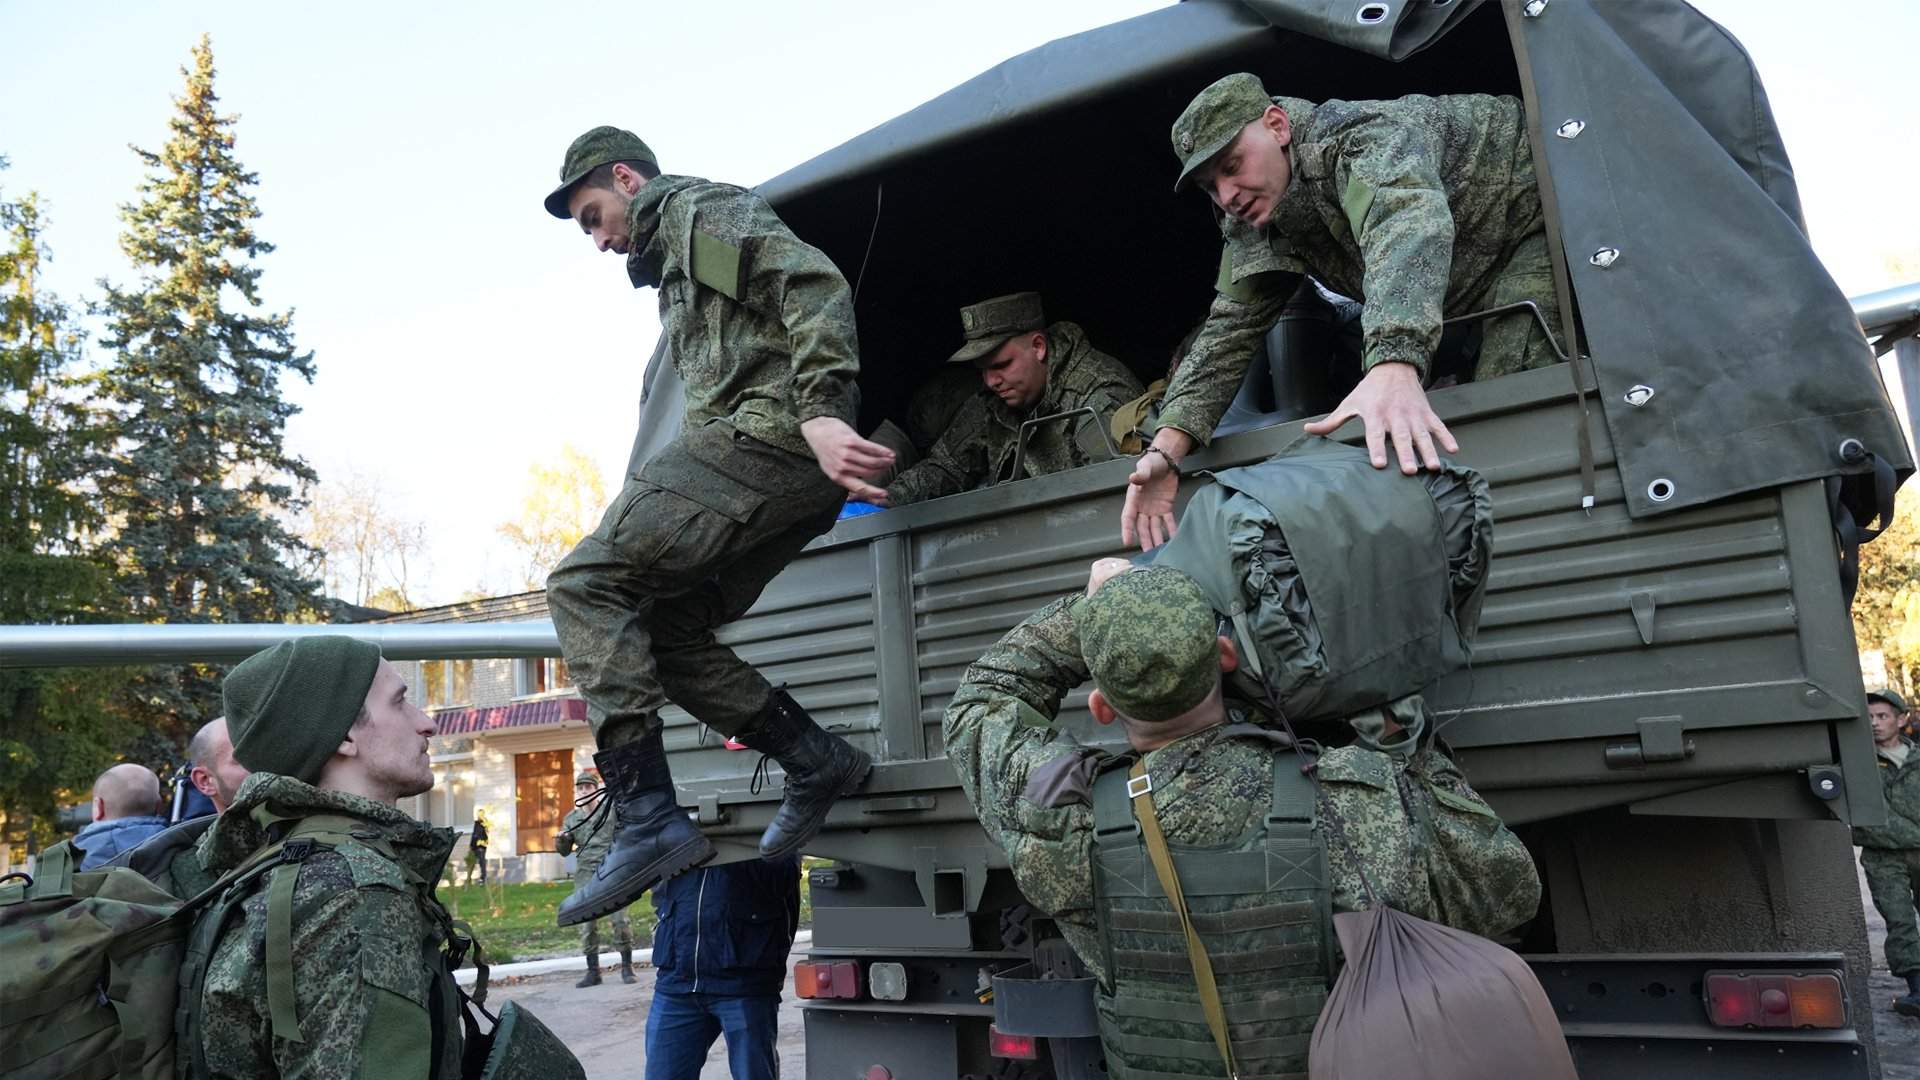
<point>586,778</point>
<point>1891,697</point>
<point>1148,637</point>
<point>1213,118</point>
<point>990,324</point>
<point>590,151</point>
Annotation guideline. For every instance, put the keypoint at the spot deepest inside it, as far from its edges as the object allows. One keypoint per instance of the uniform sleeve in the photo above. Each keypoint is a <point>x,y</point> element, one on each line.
<point>1106,386</point>
<point>997,733</point>
<point>1388,178</point>
<point>360,991</point>
<point>1253,286</point>
<point>957,462</point>
<point>796,283</point>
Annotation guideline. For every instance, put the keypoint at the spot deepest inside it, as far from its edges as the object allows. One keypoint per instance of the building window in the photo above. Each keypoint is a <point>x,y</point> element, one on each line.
<point>448,682</point>
<point>540,675</point>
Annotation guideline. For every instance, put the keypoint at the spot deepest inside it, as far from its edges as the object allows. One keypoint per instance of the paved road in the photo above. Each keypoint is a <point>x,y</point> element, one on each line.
<point>606,1024</point>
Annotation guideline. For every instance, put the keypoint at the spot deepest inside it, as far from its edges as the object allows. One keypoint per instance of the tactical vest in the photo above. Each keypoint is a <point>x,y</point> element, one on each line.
<point>1261,908</point>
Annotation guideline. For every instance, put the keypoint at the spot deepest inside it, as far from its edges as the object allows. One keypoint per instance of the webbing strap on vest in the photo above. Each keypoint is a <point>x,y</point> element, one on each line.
<point>327,830</point>
<point>1139,789</point>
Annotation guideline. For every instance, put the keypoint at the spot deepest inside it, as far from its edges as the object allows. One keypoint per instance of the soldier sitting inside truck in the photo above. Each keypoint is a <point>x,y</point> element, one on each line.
<point>1031,369</point>
<point>1060,810</point>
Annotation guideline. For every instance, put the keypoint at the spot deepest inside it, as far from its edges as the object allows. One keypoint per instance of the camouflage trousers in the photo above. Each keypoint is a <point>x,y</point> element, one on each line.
<point>590,930</point>
<point>1513,343</point>
<point>1893,877</point>
<point>686,548</point>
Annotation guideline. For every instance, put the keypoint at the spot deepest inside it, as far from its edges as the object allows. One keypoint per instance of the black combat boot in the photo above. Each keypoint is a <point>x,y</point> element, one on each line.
<point>626,964</point>
<point>652,841</point>
<point>820,768</point>
<point>1908,1004</point>
<point>592,977</point>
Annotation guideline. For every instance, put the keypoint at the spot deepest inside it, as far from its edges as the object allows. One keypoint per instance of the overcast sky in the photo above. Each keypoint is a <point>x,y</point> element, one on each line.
<point>461,334</point>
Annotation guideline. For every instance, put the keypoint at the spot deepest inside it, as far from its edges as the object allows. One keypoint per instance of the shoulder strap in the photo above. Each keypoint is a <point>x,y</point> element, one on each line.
<point>53,873</point>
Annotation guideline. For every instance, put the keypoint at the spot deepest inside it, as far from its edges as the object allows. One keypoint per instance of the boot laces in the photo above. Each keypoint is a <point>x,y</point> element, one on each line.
<point>761,775</point>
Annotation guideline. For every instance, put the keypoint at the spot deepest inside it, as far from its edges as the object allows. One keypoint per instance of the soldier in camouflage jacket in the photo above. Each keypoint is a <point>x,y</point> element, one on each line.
<point>1149,650</point>
<point>1423,207</point>
<point>760,328</point>
<point>1031,369</point>
<point>1890,853</point>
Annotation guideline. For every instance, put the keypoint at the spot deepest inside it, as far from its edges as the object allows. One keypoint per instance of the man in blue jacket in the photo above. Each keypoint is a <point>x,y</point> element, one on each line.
<point>125,799</point>
<point>721,948</point>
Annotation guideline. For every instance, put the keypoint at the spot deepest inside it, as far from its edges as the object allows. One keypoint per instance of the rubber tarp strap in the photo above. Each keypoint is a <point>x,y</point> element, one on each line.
<point>1556,248</point>
<point>280,1000</point>
<point>1140,788</point>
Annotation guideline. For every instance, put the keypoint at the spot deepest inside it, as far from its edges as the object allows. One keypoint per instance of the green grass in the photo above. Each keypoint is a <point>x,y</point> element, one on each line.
<point>515,922</point>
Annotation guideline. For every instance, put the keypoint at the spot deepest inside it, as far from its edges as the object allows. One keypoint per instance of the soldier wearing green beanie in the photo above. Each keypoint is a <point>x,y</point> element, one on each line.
<point>1241,821</point>
<point>358,983</point>
<point>759,325</point>
<point>1424,208</point>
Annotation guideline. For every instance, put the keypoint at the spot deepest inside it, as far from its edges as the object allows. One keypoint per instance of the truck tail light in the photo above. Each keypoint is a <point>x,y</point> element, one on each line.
<point>1002,1045</point>
<point>1753,999</point>
<point>838,979</point>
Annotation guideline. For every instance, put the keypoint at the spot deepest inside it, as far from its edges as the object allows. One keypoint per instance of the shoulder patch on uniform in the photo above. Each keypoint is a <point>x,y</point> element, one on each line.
<point>1224,283</point>
<point>1356,201</point>
<point>369,867</point>
<point>720,265</point>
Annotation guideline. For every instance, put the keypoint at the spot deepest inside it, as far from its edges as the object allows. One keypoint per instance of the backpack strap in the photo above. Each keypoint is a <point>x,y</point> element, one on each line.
<point>52,873</point>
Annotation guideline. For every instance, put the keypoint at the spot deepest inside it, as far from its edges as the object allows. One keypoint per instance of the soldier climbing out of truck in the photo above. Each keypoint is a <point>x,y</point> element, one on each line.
<point>760,326</point>
<point>1423,207</point>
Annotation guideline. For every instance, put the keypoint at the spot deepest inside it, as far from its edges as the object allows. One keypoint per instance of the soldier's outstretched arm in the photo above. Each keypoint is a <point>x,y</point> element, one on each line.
<point>1397,208</point>
<point>1200,391</point>
<point>997,738</point>
<point>956,462</point>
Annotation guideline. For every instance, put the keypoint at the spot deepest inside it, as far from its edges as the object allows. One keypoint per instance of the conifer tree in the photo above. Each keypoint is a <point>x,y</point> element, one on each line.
<point>56,730</point>
<point>202,477</point>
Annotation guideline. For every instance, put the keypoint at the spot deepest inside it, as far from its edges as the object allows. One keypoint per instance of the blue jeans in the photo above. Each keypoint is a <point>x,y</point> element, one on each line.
<point>680,1028</point>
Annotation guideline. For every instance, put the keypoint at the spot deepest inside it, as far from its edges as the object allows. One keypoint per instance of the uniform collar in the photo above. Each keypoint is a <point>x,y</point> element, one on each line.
<point>645,254</point>
<point>237,833</point>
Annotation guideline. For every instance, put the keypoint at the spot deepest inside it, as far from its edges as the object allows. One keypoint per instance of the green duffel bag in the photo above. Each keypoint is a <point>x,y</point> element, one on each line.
<point>1348,586</point>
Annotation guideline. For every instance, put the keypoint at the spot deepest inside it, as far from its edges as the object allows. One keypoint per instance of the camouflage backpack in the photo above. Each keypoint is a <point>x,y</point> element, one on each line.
<point>95,962</point>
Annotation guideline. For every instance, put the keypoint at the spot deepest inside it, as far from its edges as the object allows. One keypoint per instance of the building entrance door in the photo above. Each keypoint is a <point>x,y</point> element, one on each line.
<point>542,792</point>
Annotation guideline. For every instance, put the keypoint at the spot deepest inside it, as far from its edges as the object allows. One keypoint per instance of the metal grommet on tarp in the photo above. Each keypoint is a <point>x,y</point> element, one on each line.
<point>1372,14</point>
<point>1639,394</point>
<point>1533,8</point>
<point>1570,129</point>
<point>1660,490</point>
<point>1852,451</point>
<point>1604,257</point>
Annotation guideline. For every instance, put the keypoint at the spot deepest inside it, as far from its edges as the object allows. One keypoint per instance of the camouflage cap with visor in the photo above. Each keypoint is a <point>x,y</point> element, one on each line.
<point>1890,697</point>
<point>1149,638</point>
<point>990,324</point>
<point>586,778</point>
<point>598,147</point>
<point>1214,118</point>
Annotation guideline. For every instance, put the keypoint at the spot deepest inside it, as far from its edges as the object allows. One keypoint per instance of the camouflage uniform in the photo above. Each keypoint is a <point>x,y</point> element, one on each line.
<point>590,851</point>
<point>1890,855</point>
<point>1424,207</point>
<point>934,405</point>
<point>978,447</point>
<point>366,948</point>
<point>761,330</point>
<point>1028,784</point>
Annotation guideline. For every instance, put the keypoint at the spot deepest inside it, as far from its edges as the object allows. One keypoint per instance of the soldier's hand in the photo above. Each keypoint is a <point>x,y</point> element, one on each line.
<point>846,458</point>
<point>1147,516</point>
<point>1391,405</point>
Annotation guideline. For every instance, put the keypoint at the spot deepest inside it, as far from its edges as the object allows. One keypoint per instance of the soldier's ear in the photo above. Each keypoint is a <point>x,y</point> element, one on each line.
<point>1039,343</point>
<point>1101,708</point>
<point>1275,121</point>
<point>1229,655</point>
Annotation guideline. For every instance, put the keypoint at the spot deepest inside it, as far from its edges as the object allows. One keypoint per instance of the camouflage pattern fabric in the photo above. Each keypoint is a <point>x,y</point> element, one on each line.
<point>366,948</point>
<point>1902,786</point>
<point>1424,207</point>
<point>938,401</point>
<point>1211,788</point>
<point>591,846</point>
<point>1893,880</point>
<point>1149,640</point>
<point>759,323</point>
<point>978,447</point>
<point>685,549</point>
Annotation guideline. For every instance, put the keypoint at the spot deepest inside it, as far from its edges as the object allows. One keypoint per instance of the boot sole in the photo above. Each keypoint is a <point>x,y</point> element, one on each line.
<point>630,888</point>
<point>853,783</point>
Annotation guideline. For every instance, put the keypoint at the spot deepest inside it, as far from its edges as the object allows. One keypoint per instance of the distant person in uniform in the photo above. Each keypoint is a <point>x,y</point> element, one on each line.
<point>588,836</point>
<point>1890,853</point>
<point>1030,369</point>
<point>1421,207</point>
<point>125,800</point>
<point>477,847</point>
<point>760,326</point>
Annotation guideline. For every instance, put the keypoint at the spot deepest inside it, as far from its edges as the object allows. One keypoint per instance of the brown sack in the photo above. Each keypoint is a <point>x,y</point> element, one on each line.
<point>1421,1001</point>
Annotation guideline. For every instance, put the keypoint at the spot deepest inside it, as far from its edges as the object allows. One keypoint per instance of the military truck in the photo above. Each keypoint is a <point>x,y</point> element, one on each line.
<point>1665,699</point>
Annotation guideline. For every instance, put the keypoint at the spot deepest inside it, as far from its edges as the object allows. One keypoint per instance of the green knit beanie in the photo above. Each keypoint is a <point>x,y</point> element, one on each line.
<point>289,707</point>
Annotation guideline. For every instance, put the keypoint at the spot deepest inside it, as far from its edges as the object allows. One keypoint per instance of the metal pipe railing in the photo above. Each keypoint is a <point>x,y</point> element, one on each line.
<point>108,645</point>
<point>1881,311</point>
